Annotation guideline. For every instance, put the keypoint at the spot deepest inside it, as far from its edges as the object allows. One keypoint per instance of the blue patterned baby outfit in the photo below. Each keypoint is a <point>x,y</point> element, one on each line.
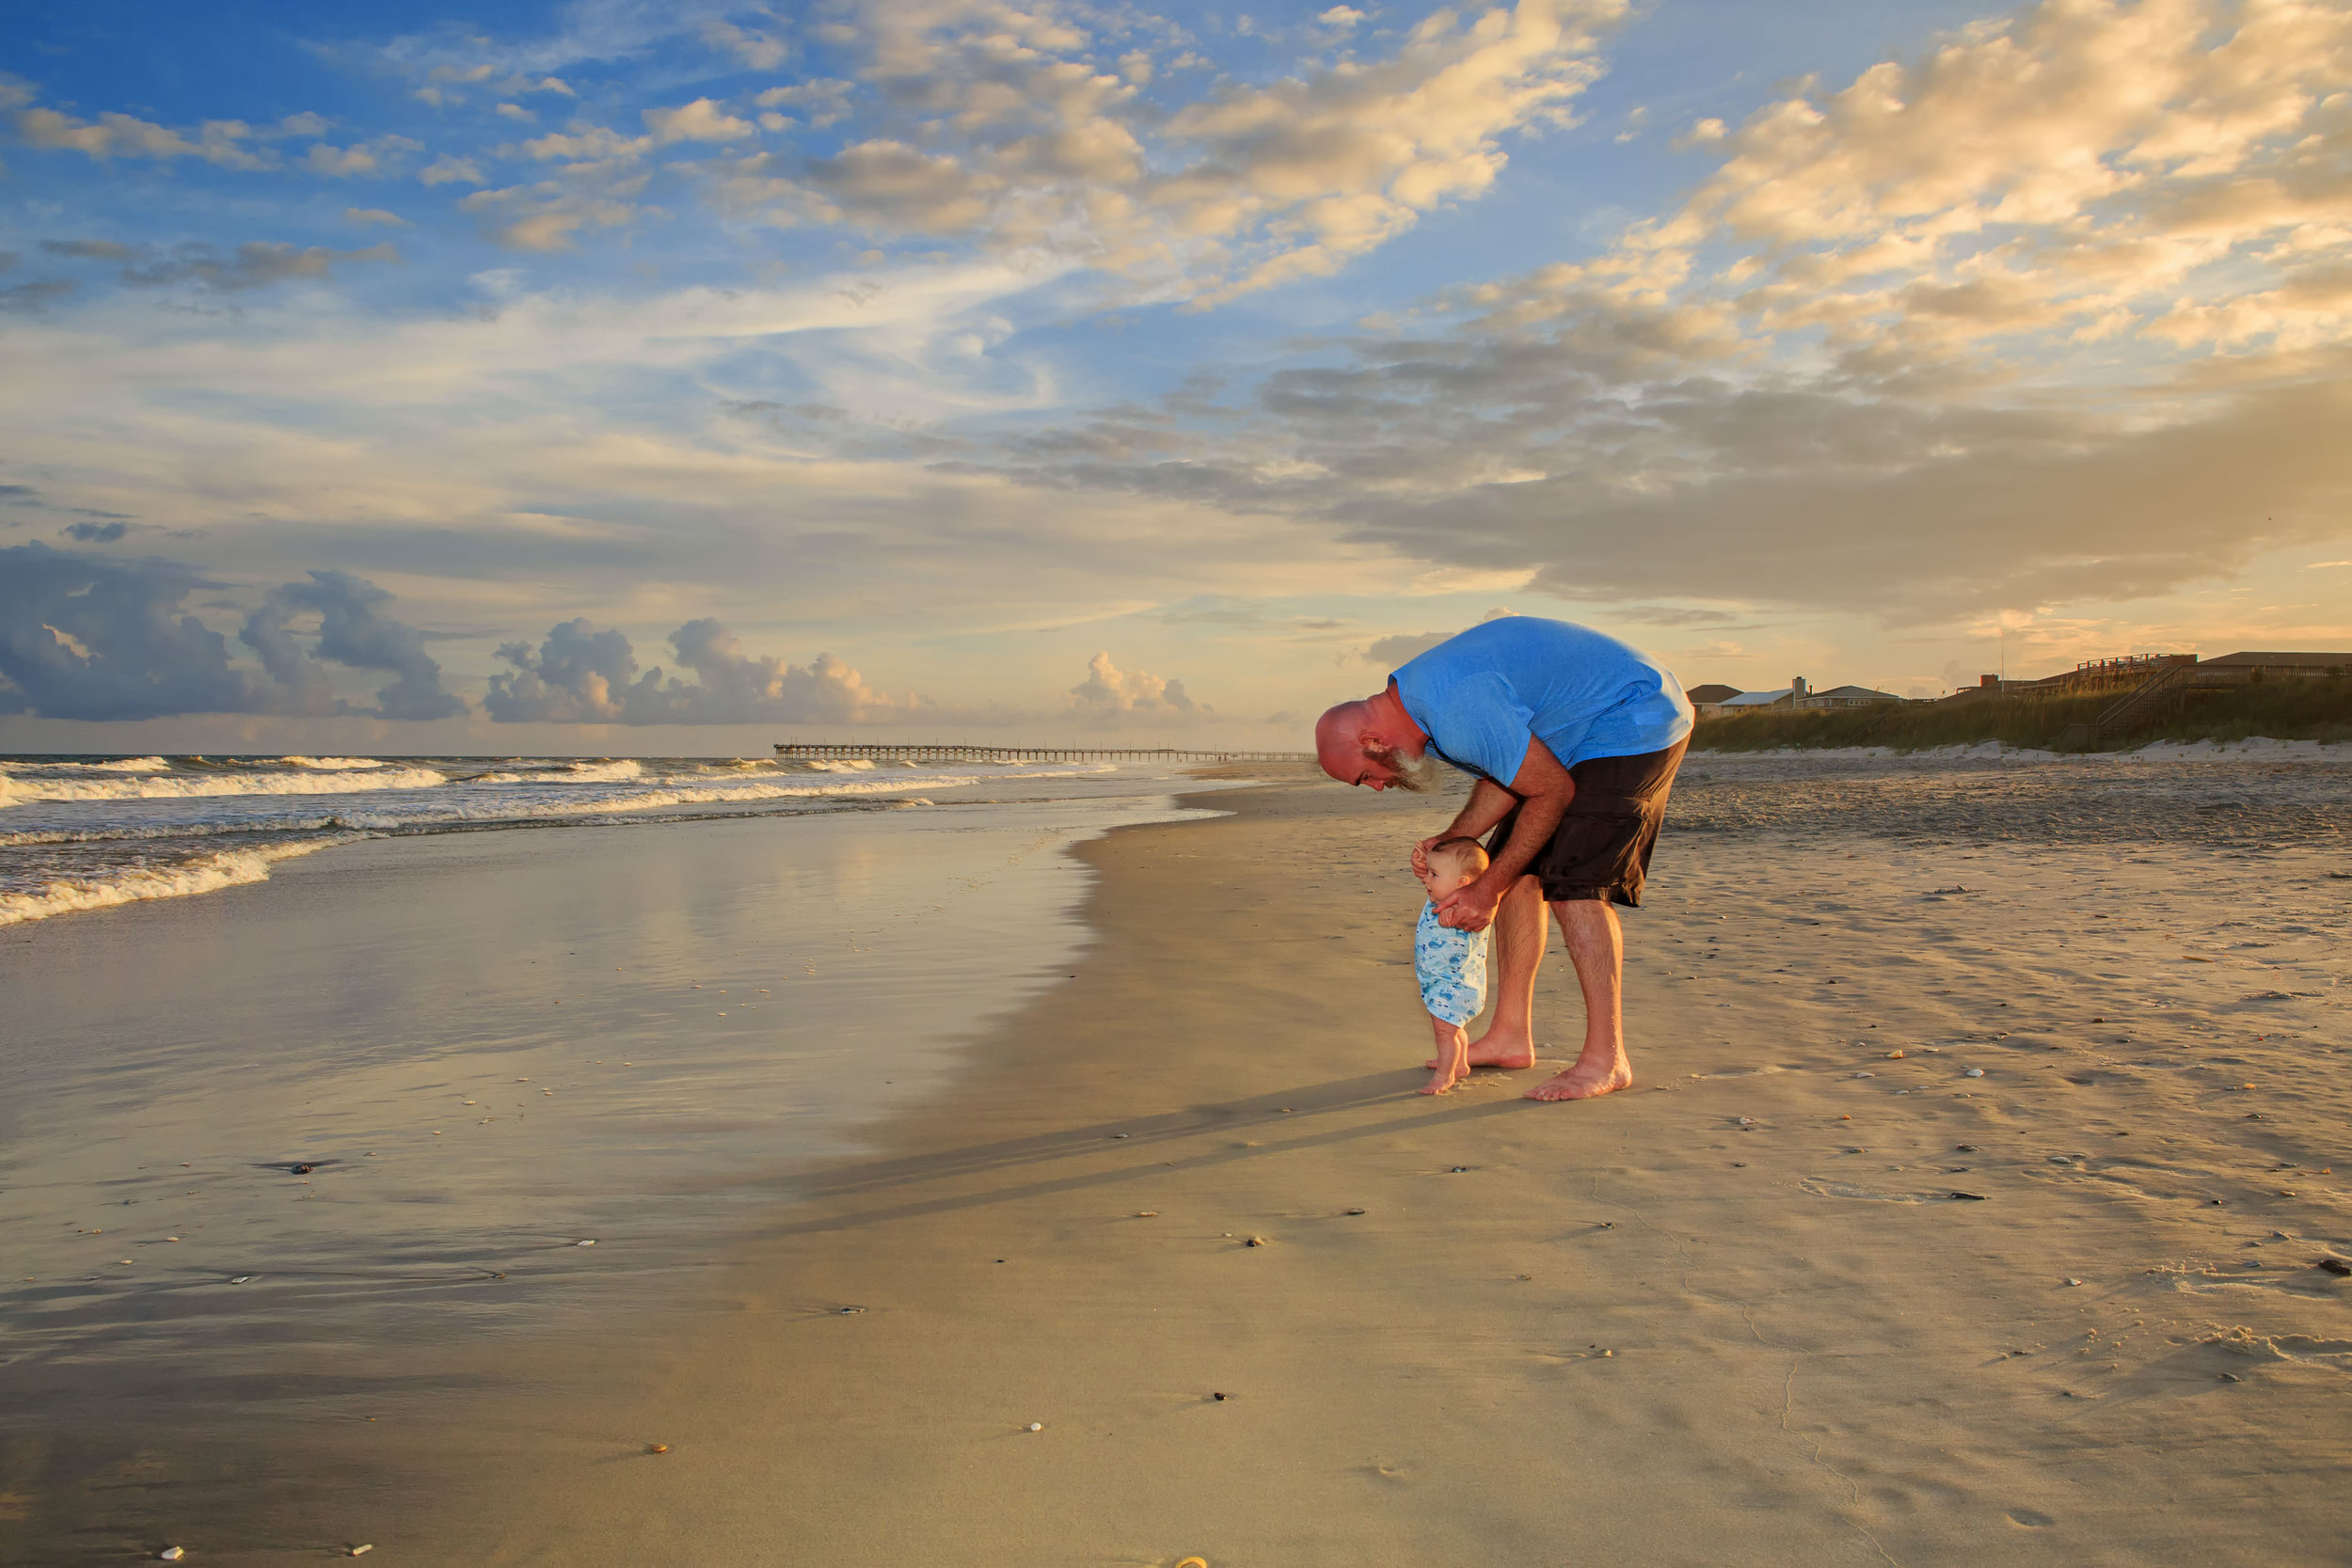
<point>1452,968</point>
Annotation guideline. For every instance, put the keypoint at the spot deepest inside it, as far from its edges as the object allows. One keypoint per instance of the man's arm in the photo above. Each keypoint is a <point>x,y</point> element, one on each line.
<point>1488,804</point>
<point>1544,789</point>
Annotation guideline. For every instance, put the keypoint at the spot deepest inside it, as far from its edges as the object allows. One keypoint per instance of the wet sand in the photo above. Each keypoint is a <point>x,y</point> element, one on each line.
<point>1736,1315</point>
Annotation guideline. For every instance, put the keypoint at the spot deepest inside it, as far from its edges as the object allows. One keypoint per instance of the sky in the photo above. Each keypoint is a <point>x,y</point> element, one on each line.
<point>675,376</point>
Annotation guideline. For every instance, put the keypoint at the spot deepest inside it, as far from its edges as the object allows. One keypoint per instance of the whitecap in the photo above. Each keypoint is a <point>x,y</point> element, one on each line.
<point>132,884</point>
<point>22,791</point>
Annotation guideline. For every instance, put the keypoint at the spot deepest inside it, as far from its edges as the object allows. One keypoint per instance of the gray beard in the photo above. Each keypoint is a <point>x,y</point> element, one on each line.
<point>1417,774</point>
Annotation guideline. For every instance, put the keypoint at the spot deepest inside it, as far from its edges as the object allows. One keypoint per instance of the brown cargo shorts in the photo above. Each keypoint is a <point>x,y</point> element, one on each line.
<point>1602,847</point>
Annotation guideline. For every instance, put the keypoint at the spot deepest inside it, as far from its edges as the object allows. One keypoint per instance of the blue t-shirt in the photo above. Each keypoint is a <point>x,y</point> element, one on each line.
<point>1479,696</point>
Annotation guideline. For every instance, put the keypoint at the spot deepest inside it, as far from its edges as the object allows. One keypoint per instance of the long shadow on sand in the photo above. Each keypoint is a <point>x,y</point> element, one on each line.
<point>1122,1140</point>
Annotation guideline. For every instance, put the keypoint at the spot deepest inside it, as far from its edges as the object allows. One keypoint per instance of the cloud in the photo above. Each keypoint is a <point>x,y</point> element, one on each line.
<point>97,534</point>
<point>823,101</point>
<point>1390,651</point>
<point>253,265</point>
<point>758,50</point>
<point>549,214</point>
<point>89,637</point>
<point>364,216</point>
<point>374,156</point>
<point>119,135</point>
<point>1110,695</point>
<point>82,637</point>
<point>582,676</point>
<point>352,632</point>
<point>997,124</point>
<point>448,169</point>
<point>89,250</point>
<point>700,121</point>
<point>26,298</point>
<point>1985,328</point>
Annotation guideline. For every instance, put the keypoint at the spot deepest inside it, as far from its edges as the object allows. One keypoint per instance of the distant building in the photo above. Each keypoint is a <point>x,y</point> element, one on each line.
<point>1719,701</point>
<point>1748,702</point>
<point>1846,696</point>
<point>2304,664</point>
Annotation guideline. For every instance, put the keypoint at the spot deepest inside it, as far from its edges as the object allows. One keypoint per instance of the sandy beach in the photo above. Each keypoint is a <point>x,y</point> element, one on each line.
<point>1965,1211</point>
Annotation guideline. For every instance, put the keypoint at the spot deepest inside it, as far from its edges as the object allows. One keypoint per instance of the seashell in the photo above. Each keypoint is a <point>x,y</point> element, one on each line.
<point>584,1243</point>
<point>363,1548</point>
<point>172,1554</point>
<point>1973,1072</point>
<point>1035,1426</point>
<point>657,1448</point>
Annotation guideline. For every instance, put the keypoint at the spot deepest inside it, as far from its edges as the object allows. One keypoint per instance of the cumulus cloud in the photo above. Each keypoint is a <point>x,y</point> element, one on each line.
<point>1110,695</point>
<point>82,637</point>
<point>448,170</point>
<point>581,676</point>
<point>353,631</point>
<point>700,121</point>
<point>89,637</point>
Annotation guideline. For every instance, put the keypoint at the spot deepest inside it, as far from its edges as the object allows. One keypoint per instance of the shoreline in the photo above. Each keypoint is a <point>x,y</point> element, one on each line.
<point>1732,1315</point>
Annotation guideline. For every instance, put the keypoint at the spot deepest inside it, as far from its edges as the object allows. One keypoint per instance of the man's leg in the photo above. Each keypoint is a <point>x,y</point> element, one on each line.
<point>1519,948</point>
<point>1596,946</point>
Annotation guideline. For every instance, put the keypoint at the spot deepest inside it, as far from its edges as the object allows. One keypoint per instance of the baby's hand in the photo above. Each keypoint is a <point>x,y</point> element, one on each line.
<point>1420,855</point>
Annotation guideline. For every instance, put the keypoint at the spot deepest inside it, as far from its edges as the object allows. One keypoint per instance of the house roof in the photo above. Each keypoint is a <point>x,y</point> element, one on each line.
<point>1756,699</point>
<point>2307,660</point>
<point>1714,691</point>
<point>1863,692</point>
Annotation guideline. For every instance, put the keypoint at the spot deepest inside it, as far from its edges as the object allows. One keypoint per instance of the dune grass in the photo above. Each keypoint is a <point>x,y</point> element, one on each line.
<point>2280,709</point>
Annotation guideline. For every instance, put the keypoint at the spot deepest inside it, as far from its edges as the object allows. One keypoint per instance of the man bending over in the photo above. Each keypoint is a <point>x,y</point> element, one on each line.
<point>1574,738</point>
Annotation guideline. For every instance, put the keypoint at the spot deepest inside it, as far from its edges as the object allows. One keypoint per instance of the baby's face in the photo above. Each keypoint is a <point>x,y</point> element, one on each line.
<point>1442,879</point>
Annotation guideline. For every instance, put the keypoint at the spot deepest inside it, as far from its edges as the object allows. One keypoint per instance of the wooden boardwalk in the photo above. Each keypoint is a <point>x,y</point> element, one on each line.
<point>848,751</point>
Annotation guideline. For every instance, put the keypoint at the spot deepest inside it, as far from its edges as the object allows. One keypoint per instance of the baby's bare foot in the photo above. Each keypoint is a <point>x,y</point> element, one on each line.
<point>1511,1049</point>
<point>1443,1080</point>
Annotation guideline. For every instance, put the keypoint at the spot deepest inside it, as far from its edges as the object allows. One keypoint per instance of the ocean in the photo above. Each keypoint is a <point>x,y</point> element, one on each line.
<point>83,832</point>
<point>305,1053</point>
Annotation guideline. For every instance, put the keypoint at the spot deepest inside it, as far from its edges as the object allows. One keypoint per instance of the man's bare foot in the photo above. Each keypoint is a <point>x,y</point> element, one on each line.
<point>1587,1080</point>
<point>1514,1051</point>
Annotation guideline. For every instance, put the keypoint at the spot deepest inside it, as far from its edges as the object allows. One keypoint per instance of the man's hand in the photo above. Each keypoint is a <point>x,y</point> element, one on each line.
<point>1471,906</point>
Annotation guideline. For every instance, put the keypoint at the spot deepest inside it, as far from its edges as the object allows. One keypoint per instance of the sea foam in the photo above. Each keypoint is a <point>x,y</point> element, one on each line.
<point>134,884</point>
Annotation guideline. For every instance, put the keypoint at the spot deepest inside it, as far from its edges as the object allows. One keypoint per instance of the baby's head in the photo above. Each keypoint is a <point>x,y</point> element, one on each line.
<point>1452,863</point>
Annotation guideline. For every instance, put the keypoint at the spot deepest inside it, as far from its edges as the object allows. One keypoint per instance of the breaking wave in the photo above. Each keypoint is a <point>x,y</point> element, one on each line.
<point>92,832</point>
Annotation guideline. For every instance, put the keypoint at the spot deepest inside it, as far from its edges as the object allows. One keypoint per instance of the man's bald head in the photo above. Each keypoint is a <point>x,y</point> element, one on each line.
<point>1340,735</point>
<point>1357,743</point>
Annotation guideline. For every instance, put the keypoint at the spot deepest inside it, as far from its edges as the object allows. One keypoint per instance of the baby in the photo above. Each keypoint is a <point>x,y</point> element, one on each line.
<point>1452,965</point>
